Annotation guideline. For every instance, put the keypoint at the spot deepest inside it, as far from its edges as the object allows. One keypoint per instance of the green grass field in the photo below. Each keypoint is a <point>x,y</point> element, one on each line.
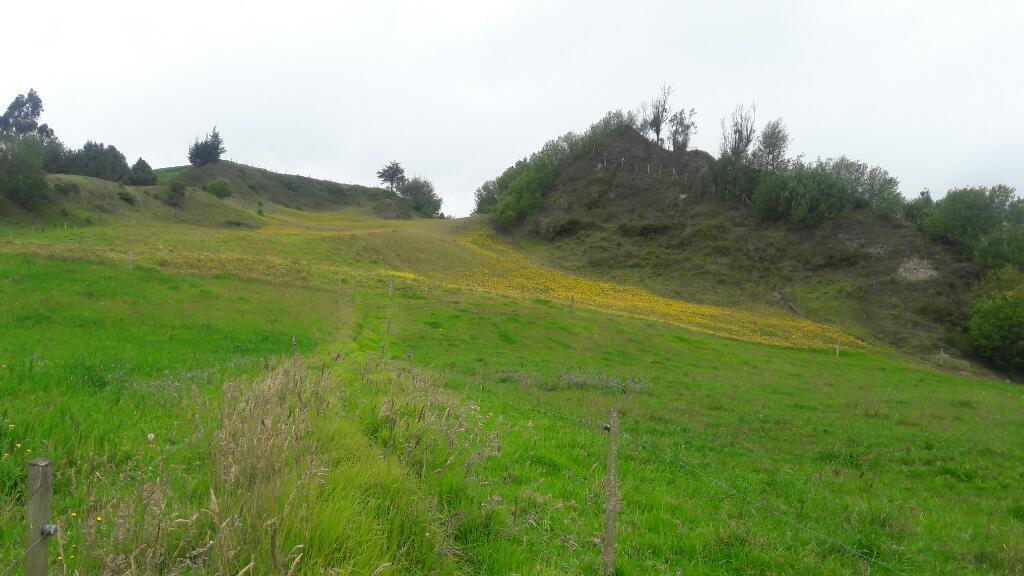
<point>466,438</point>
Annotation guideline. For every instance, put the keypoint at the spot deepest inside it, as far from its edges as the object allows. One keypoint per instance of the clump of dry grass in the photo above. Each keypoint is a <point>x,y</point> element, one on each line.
<point>428,428</point>
<point>261,458</point>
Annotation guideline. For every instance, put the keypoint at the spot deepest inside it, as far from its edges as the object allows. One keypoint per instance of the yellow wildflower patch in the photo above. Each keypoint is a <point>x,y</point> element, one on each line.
<point>508,272</point>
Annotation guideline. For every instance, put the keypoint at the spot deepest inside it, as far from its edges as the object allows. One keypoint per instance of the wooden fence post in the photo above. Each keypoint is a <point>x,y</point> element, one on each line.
<point>611,495</point>
<point>38,492</point>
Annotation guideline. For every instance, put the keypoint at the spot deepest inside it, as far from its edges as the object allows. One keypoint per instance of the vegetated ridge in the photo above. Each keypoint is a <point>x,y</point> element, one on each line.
<point>617,206</point>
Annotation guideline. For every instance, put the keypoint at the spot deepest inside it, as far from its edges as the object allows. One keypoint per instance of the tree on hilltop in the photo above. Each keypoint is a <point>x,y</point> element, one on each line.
<point>22,117</point>
<point>772,144</point>
<point>738,132</point>
<point>207,150</point>
<point>393,175</point>
<point>420,192</point>
<point>141,174</point>
<point>654,114</point>
<point>681,127</point>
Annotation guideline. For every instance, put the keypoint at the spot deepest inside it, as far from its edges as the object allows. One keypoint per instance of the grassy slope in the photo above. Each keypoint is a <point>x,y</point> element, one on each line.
<point>609,218</point>
<point>913,466</point>
<point>253,185</point>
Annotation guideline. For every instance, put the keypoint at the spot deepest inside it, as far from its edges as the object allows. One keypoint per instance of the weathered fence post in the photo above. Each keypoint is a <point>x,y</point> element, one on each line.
<point>611,495</point>
<point>38,492</point>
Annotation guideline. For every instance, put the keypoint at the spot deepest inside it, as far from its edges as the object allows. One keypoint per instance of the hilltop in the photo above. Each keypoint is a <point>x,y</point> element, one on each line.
<point>621,208</point>
<point>254,193</point>
<point>254,185</point>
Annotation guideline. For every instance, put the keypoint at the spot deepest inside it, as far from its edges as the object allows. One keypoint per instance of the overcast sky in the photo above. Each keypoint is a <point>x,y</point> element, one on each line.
<point>457,91</point>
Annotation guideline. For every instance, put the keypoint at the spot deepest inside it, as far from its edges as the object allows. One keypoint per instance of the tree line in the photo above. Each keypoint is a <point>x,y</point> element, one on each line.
<point>29,150</point>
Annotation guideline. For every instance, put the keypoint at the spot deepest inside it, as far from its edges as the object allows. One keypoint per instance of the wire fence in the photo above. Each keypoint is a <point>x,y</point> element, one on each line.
<point>712,480</point>
<point>135,475</point>
<point>19,559</point>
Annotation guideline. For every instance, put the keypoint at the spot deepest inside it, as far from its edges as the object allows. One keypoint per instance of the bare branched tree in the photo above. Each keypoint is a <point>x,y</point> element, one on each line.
<point>659,112</point>
<point>738,133</point>
<point>643,116</point>
<point>681,127</point>
<point>772,144</point>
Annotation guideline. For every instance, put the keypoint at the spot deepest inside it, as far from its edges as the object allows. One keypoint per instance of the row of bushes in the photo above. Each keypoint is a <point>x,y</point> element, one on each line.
<point>98,160</point>
<point>25,161</point>
<point>986,224</point>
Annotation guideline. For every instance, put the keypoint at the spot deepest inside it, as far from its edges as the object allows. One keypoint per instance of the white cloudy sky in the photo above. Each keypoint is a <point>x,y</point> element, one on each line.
<point>459,90</point>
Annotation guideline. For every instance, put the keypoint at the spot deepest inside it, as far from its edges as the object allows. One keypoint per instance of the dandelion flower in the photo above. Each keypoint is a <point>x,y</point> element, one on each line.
<point>17,446</point>
<point>28,450</point>
<point>74,515</point>
<point>99,518</point>
<point>151,437</point>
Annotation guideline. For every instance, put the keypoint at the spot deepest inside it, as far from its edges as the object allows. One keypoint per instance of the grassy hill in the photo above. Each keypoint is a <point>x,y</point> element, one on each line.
<point>255,193</point>
<point>632,212</point>
<point>332,392</point>
<point>253,185</point>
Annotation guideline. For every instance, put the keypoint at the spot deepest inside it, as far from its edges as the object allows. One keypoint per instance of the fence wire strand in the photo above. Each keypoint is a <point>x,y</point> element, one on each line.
<point>14,563</point>
<point>727,488</point>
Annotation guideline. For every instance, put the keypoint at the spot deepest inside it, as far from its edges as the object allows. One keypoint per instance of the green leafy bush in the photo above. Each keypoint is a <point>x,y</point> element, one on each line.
<point>175,195</point>
<point>22,178</point>
<point>486,197</point>
<point>997,321</point>
<point>961,218</point>
<point>803,196</point>
<point>96,160</point>
<point>126,197</point>
<point>520,188</point>
<point>420,192</point>
<point>141,174</point>
<point>523,190</point>
<point>220,187</point>
<point>735,178</point>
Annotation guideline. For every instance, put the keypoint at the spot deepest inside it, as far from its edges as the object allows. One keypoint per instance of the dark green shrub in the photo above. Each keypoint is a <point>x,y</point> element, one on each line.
<point>97,160</point>
<point>220,187</point>
<point>919,209</point>
<point>562,228</point>
<point>486,197</point>
<point>644,229</point>
<point>735,178</point>
<point>802,196</point>
<point>126,197</point>
<point>523,188</point>
<point>22,178</point>
<point>961,218</point>
<point>997,329</point>
<point>141,174</point>
<point>175,195</point>
<point>206,151</point>
<point>67,188</point>
<point>420,193</point>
